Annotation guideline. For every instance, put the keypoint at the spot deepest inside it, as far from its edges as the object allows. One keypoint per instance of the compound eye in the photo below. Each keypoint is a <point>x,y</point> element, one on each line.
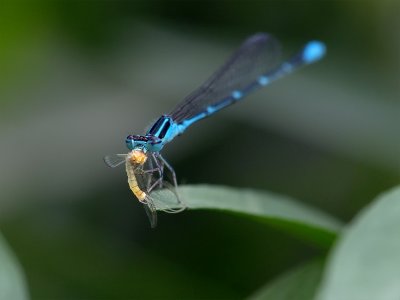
<point>130,142</point>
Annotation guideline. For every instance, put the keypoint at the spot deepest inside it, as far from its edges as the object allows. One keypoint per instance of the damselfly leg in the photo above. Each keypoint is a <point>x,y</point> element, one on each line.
<point>170,184</point>
<point>158,180</point>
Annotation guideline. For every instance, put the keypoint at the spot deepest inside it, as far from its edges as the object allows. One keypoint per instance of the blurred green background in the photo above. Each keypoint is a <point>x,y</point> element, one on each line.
<point>76,77</point>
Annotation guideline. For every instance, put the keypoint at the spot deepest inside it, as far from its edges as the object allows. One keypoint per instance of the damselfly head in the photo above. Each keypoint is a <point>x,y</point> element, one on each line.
<point>144,142</point>
<point>135,141</point>
<point>137,156</point>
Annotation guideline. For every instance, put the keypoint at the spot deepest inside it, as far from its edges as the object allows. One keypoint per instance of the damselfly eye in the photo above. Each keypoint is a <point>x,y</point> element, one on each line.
<point>130,142</point>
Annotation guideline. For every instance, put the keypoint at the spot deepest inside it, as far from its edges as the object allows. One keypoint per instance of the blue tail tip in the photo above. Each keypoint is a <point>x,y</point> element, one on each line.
<point>313,51</point>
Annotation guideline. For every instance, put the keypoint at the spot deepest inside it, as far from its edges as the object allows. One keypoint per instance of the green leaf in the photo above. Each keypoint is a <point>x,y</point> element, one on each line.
<point>277,210</point>
<point>365,264</point>
<point>12,280</point>
<point>300,284</point>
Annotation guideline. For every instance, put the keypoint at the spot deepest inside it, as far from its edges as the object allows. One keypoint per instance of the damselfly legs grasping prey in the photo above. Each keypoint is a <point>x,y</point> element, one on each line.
<point>255,64</point>
<point>149,174</point>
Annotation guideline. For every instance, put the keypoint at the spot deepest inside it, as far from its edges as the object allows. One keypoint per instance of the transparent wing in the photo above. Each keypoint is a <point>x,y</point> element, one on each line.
<point>259,54</point>
<point>114,160</point>
<point>151,212</point>
<point>167,199</point>
<point>159,186</point>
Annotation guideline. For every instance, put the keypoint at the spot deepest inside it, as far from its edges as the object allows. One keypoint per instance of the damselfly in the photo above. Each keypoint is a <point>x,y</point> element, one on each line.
<point>253,65</point>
